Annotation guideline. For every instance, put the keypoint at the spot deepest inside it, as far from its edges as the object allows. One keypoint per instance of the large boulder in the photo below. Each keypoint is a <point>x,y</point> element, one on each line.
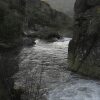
<point>84,48</point>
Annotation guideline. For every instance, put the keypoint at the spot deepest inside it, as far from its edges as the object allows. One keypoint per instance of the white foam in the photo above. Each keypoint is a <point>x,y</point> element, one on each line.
<point>78,90</point>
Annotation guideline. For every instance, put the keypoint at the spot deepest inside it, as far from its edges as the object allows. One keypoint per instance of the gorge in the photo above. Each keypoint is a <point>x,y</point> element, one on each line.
<point>39,58</point>
<point>22,21</point>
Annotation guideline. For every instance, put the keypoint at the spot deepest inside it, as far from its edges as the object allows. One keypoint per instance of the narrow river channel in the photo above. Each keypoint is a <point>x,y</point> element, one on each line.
<point>43,74</point>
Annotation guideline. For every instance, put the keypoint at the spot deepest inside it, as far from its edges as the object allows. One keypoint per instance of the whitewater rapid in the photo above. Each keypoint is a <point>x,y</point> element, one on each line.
<point>43,74</point>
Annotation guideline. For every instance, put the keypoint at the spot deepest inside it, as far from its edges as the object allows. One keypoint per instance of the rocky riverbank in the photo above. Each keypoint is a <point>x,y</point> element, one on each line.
<point>84,48</point>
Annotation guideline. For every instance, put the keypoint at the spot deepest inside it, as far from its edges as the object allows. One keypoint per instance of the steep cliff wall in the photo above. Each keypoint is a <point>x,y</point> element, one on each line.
<point>11,26</point>
<point>84,48</point>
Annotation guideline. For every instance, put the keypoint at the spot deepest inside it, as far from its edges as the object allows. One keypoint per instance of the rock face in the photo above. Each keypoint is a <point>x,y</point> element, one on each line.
<point>84,48</point>
<point>11,30</point>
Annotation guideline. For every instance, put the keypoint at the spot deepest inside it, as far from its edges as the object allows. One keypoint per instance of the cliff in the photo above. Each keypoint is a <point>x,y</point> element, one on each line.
<point>84,48</point>
<point>42,19</point>
<point>11,31</point>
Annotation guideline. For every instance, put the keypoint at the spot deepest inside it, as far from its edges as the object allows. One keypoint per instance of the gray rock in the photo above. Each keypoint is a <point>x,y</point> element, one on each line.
<point>11,26</point>
<point>84,48</point>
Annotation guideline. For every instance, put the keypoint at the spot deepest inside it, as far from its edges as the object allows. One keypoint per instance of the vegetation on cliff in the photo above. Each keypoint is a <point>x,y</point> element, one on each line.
<point>40,16</point>
<point>11,20</point>
<point>11,31</point>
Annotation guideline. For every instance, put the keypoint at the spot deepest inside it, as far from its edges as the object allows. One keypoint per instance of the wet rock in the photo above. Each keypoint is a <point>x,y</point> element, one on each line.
<point>84,48</point>
<point>28,41</point>
<point>48,34</point>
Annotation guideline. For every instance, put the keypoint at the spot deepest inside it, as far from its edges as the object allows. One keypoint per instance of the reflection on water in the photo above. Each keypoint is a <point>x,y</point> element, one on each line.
<point>43,74</point>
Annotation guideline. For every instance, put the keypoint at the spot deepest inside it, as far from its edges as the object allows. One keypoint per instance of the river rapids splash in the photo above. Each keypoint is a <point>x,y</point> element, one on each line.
<point>43,74</point>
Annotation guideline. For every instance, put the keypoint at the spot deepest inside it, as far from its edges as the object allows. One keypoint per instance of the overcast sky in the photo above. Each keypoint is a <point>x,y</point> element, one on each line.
<point>62,5</point>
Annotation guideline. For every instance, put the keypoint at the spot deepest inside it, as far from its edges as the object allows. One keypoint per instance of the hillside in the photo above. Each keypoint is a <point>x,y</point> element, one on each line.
<point>42,17</point>
<point>65,6</point>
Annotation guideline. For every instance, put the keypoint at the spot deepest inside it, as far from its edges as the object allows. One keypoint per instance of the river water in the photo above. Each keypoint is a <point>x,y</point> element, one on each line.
<point>43,74</point>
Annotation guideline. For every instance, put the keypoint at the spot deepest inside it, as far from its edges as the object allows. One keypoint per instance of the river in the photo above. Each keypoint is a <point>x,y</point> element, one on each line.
<point>43,74</point>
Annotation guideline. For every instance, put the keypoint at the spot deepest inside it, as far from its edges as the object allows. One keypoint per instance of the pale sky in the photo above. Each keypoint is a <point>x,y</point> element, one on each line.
<point>65,6</point>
